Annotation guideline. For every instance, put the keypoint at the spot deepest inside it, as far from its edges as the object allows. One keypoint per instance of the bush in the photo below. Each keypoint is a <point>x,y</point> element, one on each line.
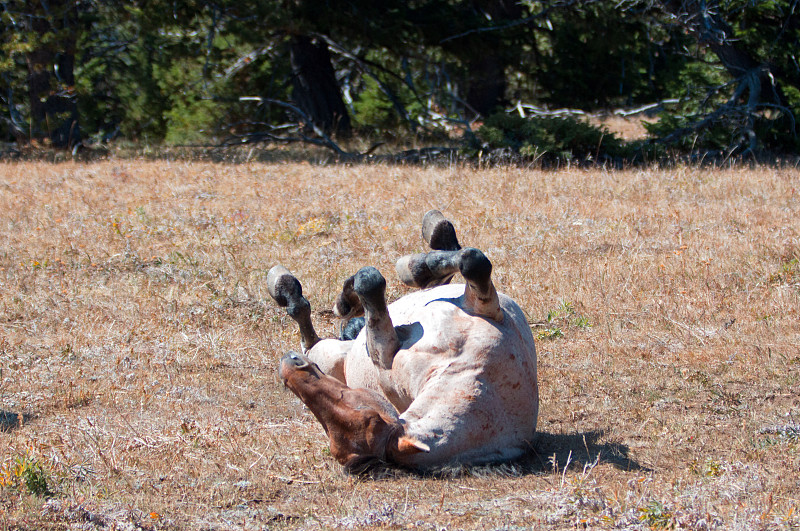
<point>25,474</point>
<point>190,122</point>
<point>550,138</point>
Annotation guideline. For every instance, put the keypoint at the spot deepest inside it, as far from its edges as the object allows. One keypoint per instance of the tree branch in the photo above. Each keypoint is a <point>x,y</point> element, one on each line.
<point>521,22</point>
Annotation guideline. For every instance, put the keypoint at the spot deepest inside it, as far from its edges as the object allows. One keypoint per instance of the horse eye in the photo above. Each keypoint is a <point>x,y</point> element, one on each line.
<point>297,361</point>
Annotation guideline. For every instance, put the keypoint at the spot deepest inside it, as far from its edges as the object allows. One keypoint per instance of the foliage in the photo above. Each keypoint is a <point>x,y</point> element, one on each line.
<point>551,137</point>
<point>372,108</point>
<point>705,97</point>
<point>175,71</point>
<point>656,515</point>
<point>597,55</point>
<point>25,473</point>
<point>549,333</point>
<point>708,469</point>
<point>117,88</point>
<point>749,47</point>
<point>559,318</point>
<point>379,97</point>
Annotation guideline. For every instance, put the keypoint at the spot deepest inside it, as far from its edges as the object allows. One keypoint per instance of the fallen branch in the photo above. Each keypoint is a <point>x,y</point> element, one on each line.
<point>528,109</point>
<point>650,107</point>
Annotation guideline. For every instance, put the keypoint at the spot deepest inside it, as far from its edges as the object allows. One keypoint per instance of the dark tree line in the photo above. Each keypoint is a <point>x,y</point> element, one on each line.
<point>89,71</point>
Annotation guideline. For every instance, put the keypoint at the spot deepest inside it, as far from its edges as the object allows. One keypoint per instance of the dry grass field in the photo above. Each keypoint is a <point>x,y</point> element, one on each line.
<point>139,347</point>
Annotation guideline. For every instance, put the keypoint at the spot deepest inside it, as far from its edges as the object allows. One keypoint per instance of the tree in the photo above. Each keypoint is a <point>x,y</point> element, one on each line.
<point>316,90</point>
<point>177,70</point>
<point>757,44</point>
<point>44,34</point>
<point>591,55</point>
<point>484,54</point>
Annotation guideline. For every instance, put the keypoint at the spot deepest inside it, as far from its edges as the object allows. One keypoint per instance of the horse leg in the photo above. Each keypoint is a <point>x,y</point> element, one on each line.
<point>287,291</point>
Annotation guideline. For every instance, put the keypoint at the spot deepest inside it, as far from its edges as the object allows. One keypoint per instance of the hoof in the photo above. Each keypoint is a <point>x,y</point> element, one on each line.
<point>438,232</point>
<point>347,303</point>
<point>369,283</point>
<point>351,330</point>
<point>283,286</point>
<point>475,266</point>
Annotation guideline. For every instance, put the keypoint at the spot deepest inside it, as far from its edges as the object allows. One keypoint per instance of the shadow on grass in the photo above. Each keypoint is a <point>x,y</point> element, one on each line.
<point>10,420</point>
<point>550,453</point>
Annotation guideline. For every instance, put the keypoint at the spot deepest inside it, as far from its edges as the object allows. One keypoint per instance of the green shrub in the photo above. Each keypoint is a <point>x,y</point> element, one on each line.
<point>373,110</point>
<point>189,122</point>
<point>549,137</point>
<point>25,473</point>
<point>656,515</point>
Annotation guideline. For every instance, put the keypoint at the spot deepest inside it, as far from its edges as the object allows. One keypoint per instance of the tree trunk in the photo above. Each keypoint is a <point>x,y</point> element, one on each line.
<point>739,63</point>
<point>51,77</point>
<point>487,84</point>
<point>315,89</point>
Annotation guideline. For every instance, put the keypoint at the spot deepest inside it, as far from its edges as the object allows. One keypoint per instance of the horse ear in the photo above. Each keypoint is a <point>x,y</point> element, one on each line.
<point>408,445</point>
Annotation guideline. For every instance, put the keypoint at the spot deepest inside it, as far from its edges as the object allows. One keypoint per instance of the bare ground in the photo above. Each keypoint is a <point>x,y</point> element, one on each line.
<point>139,349</point>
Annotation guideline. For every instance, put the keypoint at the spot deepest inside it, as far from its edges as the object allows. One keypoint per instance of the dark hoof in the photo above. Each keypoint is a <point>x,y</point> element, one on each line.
<point>475,267</point>
<point>347,303</point>
<point>438,232</point>
<point>369,283</point>
<point>351,330</point>
<point>283,286</point>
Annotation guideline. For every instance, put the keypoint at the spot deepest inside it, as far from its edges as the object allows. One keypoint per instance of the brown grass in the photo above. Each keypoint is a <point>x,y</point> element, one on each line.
<point>139,352</point>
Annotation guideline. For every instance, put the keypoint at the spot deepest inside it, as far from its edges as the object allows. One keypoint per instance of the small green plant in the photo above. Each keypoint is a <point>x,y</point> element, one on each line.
<point>177,258</point>
<point>564,310</point>
<point>777,435</point>
<point>144,219</point>
<point>788,272</point>
<point>656,515</point>
<point>582,322</point>
<point>25,473</point>
<point>549,334</point>
<point>710,468</point>
<point>563,315</point>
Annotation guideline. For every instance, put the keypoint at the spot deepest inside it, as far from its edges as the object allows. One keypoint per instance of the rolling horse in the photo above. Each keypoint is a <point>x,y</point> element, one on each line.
<point>443,375</point>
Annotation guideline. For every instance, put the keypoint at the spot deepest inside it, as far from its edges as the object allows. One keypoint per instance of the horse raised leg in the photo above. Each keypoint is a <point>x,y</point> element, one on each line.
<point>426,270</point>
<point>382,340</point>
<point>438,232</point>
<point>349,310</point>
<point>287,291</point>
<point>480,295</point>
